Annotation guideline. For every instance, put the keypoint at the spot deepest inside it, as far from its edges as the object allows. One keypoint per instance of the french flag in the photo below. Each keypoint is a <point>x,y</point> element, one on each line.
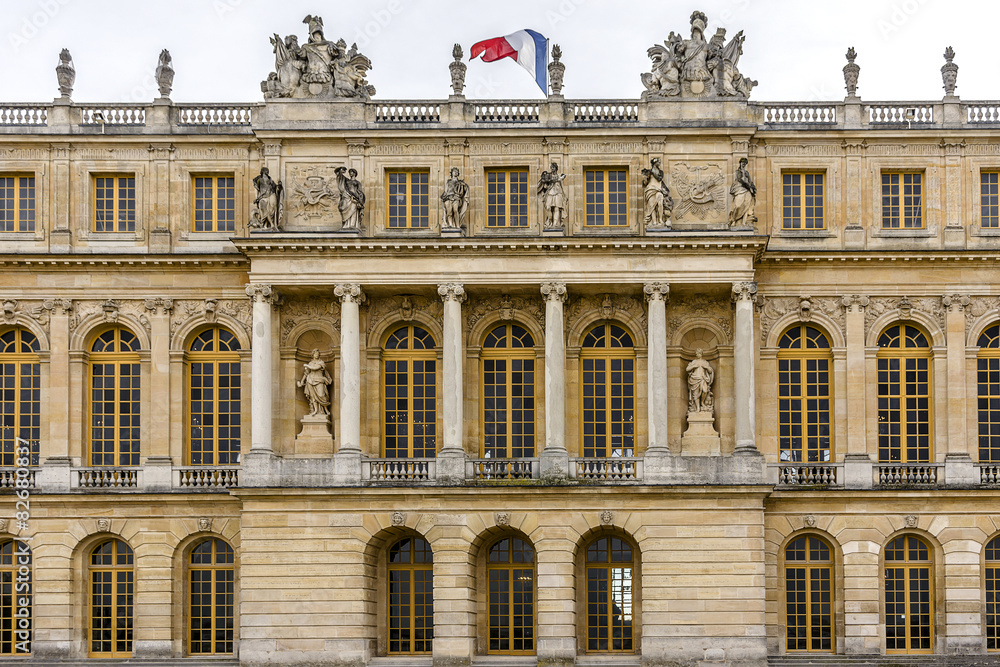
<point>529,48</point>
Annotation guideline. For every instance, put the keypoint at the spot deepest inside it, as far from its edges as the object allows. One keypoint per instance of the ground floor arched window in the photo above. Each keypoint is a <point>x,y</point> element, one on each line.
<point>909,601</point>
<point>511,573</point>
<point>212,577</point>
<point>808,595</point>
<point>411,597</point>
<point>111,591</point>
<point>610,615</point>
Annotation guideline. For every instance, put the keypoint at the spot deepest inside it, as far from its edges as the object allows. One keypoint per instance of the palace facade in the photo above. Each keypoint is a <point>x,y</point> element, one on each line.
<point>684,379</point>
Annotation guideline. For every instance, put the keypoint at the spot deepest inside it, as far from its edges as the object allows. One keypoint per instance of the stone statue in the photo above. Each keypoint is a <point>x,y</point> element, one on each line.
<point>65,74</point>
<point>659,205</point>
<point>851,71</point>
<point>744,193</point>
<point>457,69</point>
<point>267,206</point>
<point>315,383</point>
<point>456,201</point>
<point>550,189</point>
<point>164,74</point>
<point>556,71</point>
<point>701,375</point>
<point>695,67</point>
<point>352,198</point>
<point>319,68</point>
<point>949,72</point>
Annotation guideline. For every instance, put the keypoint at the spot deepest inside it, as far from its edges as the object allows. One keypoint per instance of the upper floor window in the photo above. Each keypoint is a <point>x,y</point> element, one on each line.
<point>409,382</point>
<point>212,575</point>
<point>909,599</point>
<point>608,390</point>
<point>904,396</point>
<point>114,399</point>
<point>508,393</point>
<point>20,395</point>
<point>902,200</point>
<point>989,193</point>
<point>17,203</point>
<point>407,199</point>
<point>804,394</point>
<point>988,384</point>
<point>214,204</point>
<point>802,200</point>
<point>215,397</point>
<point>507,198</point>
<point>808,595</point>
<point>606,197</point>
<point>114,203</point>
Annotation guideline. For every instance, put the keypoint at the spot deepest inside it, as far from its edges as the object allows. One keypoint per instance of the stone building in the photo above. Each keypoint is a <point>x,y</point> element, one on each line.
<point>324,380</point>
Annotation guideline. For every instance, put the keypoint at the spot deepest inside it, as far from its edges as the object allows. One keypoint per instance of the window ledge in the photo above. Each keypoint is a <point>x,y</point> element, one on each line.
<point>804,234</point>
<point>207,236</point>
<point>903,233</point>
<point>401,661</point>
<point>985,231</point>
<point>111,237</point>
<point>606,231</point>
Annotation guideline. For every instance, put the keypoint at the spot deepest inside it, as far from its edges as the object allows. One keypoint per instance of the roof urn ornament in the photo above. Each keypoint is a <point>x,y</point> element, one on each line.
<point>949,72</point>
<point>556,71</point>
<point>851,71</point>
<point>65,74</point>
<point>457,68</point>
<point>164,74</point>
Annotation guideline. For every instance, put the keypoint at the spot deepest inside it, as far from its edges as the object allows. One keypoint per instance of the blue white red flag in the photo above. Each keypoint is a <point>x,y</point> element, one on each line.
<point>529,48</point>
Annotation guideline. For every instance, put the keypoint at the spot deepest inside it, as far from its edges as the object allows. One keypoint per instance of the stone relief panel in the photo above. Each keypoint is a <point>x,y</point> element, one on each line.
<point>700,191</point>
<point>508,308</point>
<point>312,195</point>
<point>36,310</point>
<point>402,308</point>
<point>774,308</point>
<point>682,309</point>
<point>929,305</point>
<point>977,307</point>
<point>316,309</point>
<point>111,310</point>
<point>210,309</point>
<point>609,307</point>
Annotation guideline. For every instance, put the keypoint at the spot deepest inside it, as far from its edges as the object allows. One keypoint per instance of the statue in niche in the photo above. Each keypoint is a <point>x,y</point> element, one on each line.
<point>744,193</point>
<point>456,201</point>
<point>315,383</point>
<point>267,206</point>
<point>550,189</point>
<point>352,198</point>
<point>659,205</point>
<point>701,375</point>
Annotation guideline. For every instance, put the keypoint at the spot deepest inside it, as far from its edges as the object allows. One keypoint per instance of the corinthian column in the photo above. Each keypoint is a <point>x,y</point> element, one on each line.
<point>656,296</point>
<point>451,465</point>
<point>555,369</point>
<point>351,297</point>
<point>743,352</point>
<point>262,297</point>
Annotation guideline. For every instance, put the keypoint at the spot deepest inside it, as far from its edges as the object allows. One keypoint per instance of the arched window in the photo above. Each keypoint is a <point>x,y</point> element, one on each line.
<point>804,394</point>
<point>411,597</point>
<point>993,594</point>
<point>20,395</point>
<point>508,403</point>
<point>111,581</point>
<point>808,595</point>
<point>609,596</point>
<point>213,575</point>
<point>909,602</point>
<point>904,396</point>
<point>988,382</point>
<point>114,399</point>
<point>607,362</point>
<point>214,399</point>
<point>15,588</point>
<point>409,382</point>
<point>511,573</point>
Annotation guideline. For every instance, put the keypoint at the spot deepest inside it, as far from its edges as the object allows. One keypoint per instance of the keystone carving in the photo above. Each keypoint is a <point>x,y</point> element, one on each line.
<point>607,517</point>
<point>502,518</point>
<point>398,519</point>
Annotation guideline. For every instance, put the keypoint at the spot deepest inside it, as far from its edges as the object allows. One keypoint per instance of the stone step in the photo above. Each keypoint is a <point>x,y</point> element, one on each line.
<point>126,662</point>
<point>884,660</point>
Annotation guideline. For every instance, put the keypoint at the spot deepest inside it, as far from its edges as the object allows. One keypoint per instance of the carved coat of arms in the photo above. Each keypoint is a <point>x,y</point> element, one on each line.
<point>701,191</point>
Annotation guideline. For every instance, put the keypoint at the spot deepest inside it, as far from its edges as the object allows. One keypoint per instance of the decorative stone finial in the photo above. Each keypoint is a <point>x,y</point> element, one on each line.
<point>851,71</point>
<point>65,74</point>
<point>556,71</point>
<point>457,70</point>
<point>949,72</point>
<point>164,74</point>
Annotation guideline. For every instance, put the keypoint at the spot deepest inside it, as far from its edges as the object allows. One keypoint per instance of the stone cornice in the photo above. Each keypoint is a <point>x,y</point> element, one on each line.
<point>71,262</point>
<point>840,257</point>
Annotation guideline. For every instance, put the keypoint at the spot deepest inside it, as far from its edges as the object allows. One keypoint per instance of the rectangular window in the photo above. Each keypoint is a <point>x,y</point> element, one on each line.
<point>17,203</point>
<point>989,191</point>
<point>214,204</point>
<point>407,203</point>
<point>606,202</point>
<point>802,201</point>
<point>902,201</point>
<point>507,198</point>
<point>114,203</point>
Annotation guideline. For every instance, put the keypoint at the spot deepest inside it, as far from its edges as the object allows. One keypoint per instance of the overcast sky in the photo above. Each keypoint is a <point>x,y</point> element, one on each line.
<point>794,48</point>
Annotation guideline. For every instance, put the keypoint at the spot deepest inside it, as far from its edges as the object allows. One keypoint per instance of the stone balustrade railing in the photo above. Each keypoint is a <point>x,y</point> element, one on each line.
<point>206,477</point>
<point>107,478</point>
<point>9,477</point>
<point>167,117</point>
<point>501,469</point>
<point>398,470</point>
<point>810,474</point>
<point>606,469</point>
<point>907,474</point>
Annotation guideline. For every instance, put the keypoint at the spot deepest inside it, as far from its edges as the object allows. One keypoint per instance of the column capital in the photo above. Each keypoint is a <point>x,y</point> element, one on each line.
<point>261,293</point>
<point>60,306</point>
<point>744,291</point>
<point>656,291</point>
<point>159,306</point>
<point>350,293</point>
<point>852,301</point>
<point>452,292</point>
<point>554,292</point>
<point>955,302</point>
